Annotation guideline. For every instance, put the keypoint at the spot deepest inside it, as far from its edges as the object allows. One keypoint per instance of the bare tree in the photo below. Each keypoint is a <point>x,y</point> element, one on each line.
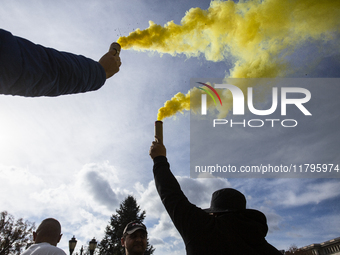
<point>14,235</point>
<point>294,250</point>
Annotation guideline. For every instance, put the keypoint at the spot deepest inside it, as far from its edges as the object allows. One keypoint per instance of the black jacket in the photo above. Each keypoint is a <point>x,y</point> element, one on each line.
<point>235,233</point>
<point>31,70</point>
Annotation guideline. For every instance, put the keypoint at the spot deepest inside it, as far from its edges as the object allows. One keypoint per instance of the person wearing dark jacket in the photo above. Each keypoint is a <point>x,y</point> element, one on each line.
<point>227,227</point>
<point>28,69</point>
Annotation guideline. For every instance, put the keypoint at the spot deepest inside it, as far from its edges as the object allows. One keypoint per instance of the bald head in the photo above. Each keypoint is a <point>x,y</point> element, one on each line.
<point>49,231</point>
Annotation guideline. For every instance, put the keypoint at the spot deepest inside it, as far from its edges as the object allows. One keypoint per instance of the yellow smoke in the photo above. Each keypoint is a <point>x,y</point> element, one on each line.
<point>257,35</point>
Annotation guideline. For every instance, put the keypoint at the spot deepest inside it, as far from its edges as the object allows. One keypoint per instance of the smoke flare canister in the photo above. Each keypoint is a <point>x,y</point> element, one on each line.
<point>159,129</point>
<point>115,47</point>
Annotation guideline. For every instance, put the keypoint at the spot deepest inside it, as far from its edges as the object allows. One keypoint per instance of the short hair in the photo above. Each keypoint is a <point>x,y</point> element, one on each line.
<point>49,229</point>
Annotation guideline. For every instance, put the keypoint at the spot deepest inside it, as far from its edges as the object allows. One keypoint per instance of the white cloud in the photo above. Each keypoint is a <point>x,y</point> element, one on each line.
<point>77,157</point>
<point>303,192</point>
<point>156,241</point>
<point>17,185</point>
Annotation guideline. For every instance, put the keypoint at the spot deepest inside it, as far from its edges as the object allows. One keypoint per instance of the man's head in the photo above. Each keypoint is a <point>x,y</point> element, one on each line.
<point>134,238</point>
<point>226,200</point>
<point>49,231</point>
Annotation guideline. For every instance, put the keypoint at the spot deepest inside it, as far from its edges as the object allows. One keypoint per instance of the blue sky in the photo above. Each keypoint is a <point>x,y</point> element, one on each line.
<point>77,157</point>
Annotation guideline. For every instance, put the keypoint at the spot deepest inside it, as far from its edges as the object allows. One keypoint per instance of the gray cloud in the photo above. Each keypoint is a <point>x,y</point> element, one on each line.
<point>96,181</point>
<point>101,189</point>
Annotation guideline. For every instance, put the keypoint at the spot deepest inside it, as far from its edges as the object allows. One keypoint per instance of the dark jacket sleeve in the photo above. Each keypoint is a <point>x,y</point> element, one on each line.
<point>186,217</point>
<point>28,69</point>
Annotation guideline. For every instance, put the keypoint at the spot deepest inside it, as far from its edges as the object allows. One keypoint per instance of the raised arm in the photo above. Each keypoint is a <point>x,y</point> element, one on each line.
<point>31,70</point>
<point>186,217</point>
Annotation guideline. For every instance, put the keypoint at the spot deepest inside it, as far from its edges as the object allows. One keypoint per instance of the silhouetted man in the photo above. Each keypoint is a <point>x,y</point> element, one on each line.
<point>46,239</point>
<point>227,227</point>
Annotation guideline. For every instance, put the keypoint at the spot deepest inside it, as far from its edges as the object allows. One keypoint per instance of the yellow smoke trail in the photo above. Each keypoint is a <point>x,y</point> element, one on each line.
<point>257,35</point>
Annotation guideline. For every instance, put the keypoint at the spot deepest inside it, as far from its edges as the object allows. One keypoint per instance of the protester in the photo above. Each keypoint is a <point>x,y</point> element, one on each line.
<point>227,227</point>
<point>134,238</point>
<point>46,239</point>
<point>31,70</point>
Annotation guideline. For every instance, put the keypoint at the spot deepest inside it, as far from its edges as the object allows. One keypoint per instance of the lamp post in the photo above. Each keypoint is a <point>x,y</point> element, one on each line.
<point>72,244</point>
<point>93,245</point>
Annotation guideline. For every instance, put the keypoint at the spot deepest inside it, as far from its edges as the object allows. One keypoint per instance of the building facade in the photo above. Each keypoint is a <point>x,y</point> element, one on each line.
<point>331,247</point>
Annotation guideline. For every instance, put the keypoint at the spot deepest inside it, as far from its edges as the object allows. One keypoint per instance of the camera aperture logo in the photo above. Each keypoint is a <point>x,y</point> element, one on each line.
<point>204,97</point>
<point>239,105</point>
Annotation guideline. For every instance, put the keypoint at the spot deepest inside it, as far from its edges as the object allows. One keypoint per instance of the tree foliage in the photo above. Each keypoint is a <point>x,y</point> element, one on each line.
<point>128,211</point>
<point>14,235</point>
<point>293,250</point>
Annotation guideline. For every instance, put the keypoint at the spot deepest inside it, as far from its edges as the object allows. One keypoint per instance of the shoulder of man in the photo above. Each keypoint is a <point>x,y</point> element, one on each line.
<point>43,249</point>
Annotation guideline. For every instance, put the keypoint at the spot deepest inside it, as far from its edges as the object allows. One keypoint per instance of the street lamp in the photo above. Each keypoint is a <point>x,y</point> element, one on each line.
<point>72,244</point>
<point>93,245</point>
